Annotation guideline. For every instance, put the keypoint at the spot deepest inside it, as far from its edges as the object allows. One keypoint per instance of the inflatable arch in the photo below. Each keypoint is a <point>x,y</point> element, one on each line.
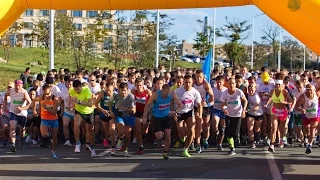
<point>299,17</point>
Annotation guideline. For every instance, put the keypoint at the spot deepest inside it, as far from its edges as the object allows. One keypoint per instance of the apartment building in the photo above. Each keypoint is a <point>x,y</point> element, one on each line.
<point>81,19</point>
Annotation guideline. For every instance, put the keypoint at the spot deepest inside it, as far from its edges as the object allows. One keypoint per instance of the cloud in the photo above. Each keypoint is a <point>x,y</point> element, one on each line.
<point>186,12</point>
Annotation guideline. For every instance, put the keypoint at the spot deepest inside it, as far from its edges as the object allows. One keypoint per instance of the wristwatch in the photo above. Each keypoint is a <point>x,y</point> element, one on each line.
<point>79,102</point>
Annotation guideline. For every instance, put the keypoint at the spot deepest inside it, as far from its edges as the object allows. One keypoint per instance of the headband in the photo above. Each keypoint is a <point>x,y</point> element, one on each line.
<point>18,82</point>
<point>278,82</point>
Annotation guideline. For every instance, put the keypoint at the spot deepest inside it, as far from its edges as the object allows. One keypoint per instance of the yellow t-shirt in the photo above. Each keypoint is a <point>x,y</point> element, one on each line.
<point>173,88</point>
<point>84,96</point>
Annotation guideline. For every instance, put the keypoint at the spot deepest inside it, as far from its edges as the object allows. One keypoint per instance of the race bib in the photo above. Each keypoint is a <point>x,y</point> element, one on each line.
<point>164,106</point>
<point>142,100</point>
<point>17,102</point>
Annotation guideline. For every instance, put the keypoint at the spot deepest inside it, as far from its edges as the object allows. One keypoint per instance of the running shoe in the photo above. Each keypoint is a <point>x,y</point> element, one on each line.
<point>308,150</point>
<point>177,144</point>
<point>13,148</point>
<point>126,153</point>
<point>205,144</point>
<point>191,146</point>
<point>119,144</point>
<point>253,145</point>
<point>87,146</point>
<point>105,143</point>
<point>165,156</point>
<point>34,142</point>
<point>67,143</point>
<point>77,148</point>
<point>185,153</point>
<point>306,142</point>
<point>232,152</point>
<point>134,141</point>
<point>271,148</point>
<point>93,152</point>
<point>220,148</point>
<point>140,150</point>
<point>113,152</point>
<point>198,149</point>
<point>281,145</point>
<point>54,155</point>
<point>28,139</point>
<point>5,143</point>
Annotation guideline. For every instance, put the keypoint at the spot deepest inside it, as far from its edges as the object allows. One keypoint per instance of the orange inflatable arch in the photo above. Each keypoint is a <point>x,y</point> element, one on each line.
<point>299,17</point>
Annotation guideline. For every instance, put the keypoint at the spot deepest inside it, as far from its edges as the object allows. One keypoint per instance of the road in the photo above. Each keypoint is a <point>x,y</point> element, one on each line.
<point>36,163</point>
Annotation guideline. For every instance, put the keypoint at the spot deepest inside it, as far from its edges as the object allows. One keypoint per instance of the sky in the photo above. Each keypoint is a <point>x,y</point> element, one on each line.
<point>185,25</point>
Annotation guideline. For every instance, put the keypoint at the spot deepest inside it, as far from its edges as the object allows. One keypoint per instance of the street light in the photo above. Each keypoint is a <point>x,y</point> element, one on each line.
<point>252,39</point>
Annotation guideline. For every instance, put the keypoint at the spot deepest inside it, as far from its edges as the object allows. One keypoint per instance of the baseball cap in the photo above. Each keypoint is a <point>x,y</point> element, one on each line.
<point>11,84</point>
<point>265,77</point>
<point>49,80</point>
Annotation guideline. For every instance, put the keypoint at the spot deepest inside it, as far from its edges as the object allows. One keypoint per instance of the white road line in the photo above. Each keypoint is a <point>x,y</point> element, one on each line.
<point>274,170</point>
<point>103,153</point>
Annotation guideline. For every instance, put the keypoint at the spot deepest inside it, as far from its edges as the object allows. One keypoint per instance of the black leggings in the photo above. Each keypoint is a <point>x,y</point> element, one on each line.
<point>233,125</point>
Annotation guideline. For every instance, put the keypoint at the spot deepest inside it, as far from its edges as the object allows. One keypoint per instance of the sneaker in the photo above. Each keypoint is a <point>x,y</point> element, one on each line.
<point>67,143</point>
<point>198,149</point>
<point>271,148</point>
<point>126,153</point>
<point>306,142</point>
<point>113,152</point>
<point>155,142</point>
<point>93,152</point>
<point>220,148</point>
<point>165,156</point>
<point>105,143</point>
<point>13,148</point>
<point>281,145</point>
<point>134,141</point>
<point>119,144</point>
<point>205,144</point>
<point>185,153</point>
<point>5,143</point>
<point>34,142</point>
<point>177,144</point>
<point>77,148</point>
<point>141,150</point>
<point>253,145</point>
<point>191,146</point>
<point>54,155</point>
<point>232,152</point>
<point>87,147</point>
<point>308,150</point>
<point>28,139</point>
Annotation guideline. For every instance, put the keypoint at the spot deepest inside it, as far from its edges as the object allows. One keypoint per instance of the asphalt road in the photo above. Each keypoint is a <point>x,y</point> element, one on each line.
<point>36,163</point>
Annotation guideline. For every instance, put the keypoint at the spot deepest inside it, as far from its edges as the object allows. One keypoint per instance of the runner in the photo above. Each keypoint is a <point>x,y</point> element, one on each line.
<point>82,103</point>
<point>307,104</point>
<point>5,116</point>
<point>123,114</point>
<point>218,117</point>
<point>108,123</point>
<point>297,92</point>
<point>190,97</point>
<point>33,122</point>
<point>160,102</point>
<point>20,102</point>
<point>233,110</point>
<point>48,104</point>
<point>254,116</point>
<point>203,119</point>
<point>141,96</point>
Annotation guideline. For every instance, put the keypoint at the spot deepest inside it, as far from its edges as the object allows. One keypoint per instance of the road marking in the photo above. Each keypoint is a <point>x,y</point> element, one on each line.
<point>274,170</point>
<point>103,153</point>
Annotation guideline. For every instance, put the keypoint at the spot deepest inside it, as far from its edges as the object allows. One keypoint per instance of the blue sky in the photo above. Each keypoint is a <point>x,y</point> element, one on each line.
<point>186,26</point>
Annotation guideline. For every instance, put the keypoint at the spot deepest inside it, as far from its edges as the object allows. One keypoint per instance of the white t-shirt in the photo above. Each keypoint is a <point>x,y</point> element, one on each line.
<point>130,85</point>
<point>252,101</point>
<point>188,98</point>
<point>65,98</point>
<point>267,89</point>
<point>296,93</point>
<point>259,81</point>
<point>217,97</point>
<point>234,106</point>
<point>95,89</point>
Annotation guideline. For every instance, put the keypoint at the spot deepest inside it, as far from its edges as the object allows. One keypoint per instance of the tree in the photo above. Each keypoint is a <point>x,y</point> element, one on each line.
<point>236,33</point>
<point>204,38</point>
<point>5,39</point>
<point>270,33</point>
<point>292,54</point>
<point>260,54</point>
<point>41,32</point>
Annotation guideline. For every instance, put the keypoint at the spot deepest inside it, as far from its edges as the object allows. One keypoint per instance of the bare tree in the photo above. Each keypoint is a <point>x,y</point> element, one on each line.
<point>270,34</point>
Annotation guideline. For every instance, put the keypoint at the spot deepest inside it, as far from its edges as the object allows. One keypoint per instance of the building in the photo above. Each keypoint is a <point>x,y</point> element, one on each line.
<point>81,20</point>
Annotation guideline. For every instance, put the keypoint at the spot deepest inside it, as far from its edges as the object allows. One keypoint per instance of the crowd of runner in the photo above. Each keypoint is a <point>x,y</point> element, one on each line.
<point>115,108</point>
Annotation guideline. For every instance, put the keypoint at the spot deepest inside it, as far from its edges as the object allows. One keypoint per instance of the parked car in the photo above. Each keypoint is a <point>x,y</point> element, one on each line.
<point>184,58</point>
<point>165,57</point>
<point>194,58</point>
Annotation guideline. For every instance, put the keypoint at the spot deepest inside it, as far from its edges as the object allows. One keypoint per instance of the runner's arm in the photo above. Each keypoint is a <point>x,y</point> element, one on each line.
<point>148,105</point>
<point>5,101</point>
<point>27,98</point>
<point>208,87</point>
<point>177,101</point>
<point>300,102</point>
<point>89,103</point>
<point>97,101</point>
<point>53,110</point>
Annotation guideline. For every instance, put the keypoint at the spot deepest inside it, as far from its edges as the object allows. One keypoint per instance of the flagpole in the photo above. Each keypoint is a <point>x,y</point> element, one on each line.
<point>158,32</point>
<point>214,37</point>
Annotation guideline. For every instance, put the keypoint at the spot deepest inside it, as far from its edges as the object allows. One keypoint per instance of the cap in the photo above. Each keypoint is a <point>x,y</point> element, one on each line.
<point>18,81</point>
<point>265,77</point>
<point>120,75</point>
<point>49,80</point>
<point>11,84</point>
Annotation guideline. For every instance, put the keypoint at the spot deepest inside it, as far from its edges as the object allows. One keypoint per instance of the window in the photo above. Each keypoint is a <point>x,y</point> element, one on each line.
<point>43,25</point>
<point>106,15</point>
<point>44,13</point>
<point>28,25</point>
<point>12,40</point>
<point>77,13</point>
<point>62,12</point>
<point>28,12</point>
<point>92,14</point>
<point>107,26</point>
<point>107,44</point>
<point>78,27</point>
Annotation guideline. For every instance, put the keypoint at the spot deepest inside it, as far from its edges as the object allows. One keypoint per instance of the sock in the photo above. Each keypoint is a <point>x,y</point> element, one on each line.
<point>231,142</point>
<point>183,139</point>
<point>165,152</point>
<point>185,149</point>
<point>78,143</point>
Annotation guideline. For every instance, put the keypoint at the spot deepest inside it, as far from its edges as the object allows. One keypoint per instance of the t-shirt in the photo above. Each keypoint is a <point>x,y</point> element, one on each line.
<point>95,89</point>
<point>128,102</point>
<point>55,91</point>
<point>65,98</point>
<point>130,86</point>
<point>217,97</point>
<point>188,98</point>
<point>84,96</point>
<point>233,102</point>
<point>296,93</point>
<point>267,89</point>
<point>252,101</point>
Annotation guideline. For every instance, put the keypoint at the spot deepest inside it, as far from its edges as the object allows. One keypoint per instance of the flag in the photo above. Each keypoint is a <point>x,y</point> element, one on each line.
<point>206,67</point>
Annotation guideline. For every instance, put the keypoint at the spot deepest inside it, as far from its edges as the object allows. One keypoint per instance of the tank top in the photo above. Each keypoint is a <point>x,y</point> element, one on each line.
<point>141,100</point>
<point>311,106</point>
<point>252,101</point>
<point>104,103</point>
<point>17,99</point>
<point>276,99</point>
<point>217,97</point>
<point>202,91</point>
<point>161,107</point>
<point>44,113</point>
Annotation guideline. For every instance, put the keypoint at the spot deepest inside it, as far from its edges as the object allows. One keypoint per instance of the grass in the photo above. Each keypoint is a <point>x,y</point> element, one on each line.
<point>21,57</point>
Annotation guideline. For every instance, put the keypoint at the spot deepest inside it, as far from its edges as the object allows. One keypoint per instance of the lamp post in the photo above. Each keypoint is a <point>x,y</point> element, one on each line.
<point>252,39</point>
<point>158,31</point>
